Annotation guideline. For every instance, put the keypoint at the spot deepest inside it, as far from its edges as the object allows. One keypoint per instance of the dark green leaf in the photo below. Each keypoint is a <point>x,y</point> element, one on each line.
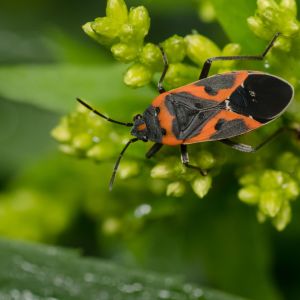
<point>31,271</point>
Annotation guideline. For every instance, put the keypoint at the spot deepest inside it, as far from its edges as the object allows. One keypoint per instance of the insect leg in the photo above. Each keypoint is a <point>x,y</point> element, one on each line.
<point>153,150</point>
<point>166,66</point>
<point>208,62</point>
<point>251,149</point>
<point>185,160</point>
<point>101,115</point>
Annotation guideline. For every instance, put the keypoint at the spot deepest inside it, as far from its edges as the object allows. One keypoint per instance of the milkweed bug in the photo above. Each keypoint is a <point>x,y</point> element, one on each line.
<point>214,108</point>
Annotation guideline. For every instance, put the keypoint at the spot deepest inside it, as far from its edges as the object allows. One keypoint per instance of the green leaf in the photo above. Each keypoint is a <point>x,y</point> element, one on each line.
<point>234,23</point>
<point>55,87</point>
<point>31,271</point>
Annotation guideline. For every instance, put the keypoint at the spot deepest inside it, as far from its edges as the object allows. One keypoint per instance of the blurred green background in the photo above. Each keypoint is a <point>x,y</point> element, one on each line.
<point>46,61</point>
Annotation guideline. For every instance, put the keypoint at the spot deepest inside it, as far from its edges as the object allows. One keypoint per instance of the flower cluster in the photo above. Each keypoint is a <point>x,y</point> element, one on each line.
<point>273,190</point>
<point>272,17</point>
<point>84,134</point>
<point>180,177</point>
<point>124,32</point>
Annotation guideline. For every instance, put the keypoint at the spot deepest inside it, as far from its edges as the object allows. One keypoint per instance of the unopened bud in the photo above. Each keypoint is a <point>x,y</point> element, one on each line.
<point>140,20</point>
<point>205,160</point>
<point>162,171</point>
<point>283,217</point>
<point>200,48</point>
<point>105,27</point>
<point>62,132</point>
<point>249,194</point>
<point>82,141</point>
<point>117,11</point>
<point>175,48</point>
<point>201,185</point>
<point>175,189</point>
<point>125,52</point>
<point>271,179</point>
<point>101,151</point>
<point>138,75</point>
<point>290,189</point>
<point>249,178</point>
<point>88,29</point>
<point>151,56</point>
<point>270,202</point>
<point>128,169</point>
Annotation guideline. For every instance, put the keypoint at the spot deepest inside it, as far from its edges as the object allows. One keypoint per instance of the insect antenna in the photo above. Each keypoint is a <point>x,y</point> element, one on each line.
<point>101,115</point>
<point>112,179</point>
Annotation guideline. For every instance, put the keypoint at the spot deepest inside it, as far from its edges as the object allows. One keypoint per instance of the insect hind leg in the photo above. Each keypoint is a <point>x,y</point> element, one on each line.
<point>250,149</point>
<point>208,62</point>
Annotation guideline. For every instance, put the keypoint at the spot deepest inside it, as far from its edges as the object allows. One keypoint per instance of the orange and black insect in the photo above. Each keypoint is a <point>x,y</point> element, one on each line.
<point>214,108</point>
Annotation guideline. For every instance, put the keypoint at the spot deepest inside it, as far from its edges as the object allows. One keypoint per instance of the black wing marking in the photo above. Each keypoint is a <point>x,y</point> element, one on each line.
<point>262,96</point>
<point>191,113</point>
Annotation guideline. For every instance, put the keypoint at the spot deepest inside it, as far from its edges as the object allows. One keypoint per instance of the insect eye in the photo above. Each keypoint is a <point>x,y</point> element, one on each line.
<point>144,139</point>
<point>137,117</point>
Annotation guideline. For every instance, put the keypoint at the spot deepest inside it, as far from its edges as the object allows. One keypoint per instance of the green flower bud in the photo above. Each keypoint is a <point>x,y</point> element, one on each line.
<point>265,4</point>
<point>231,49</point>
<point>250,178</point>
<point>205,160</point>
<point>175,48</point>
<point>283,217</point>
<point>62,132</point>
<point>128,169</point>
<point>67,149</point>
<point>274,17</point>
<point>140,20</point>
<point>249,194</point>
<point>206,11</point>
<point>200,48</point>
<point>175,189</point>
<point>82,141</point>
<point>270,202</point>
<point>162,170</point>
<point>125,52</point>
<point>111,226</point>
<point>271,179</point>
<point>261,217</point>
<point>88,29</point>
<point>101,151</point>
<point>290,189</point>
<point>290,7</point>
<point>138,75</point>
<point>106,27</point>
<point>180,74</point>
<point>117,11</point>
<point>257,26</point>
<point>127,34</point>
<point>201,185</point>
<point>151,57</point>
